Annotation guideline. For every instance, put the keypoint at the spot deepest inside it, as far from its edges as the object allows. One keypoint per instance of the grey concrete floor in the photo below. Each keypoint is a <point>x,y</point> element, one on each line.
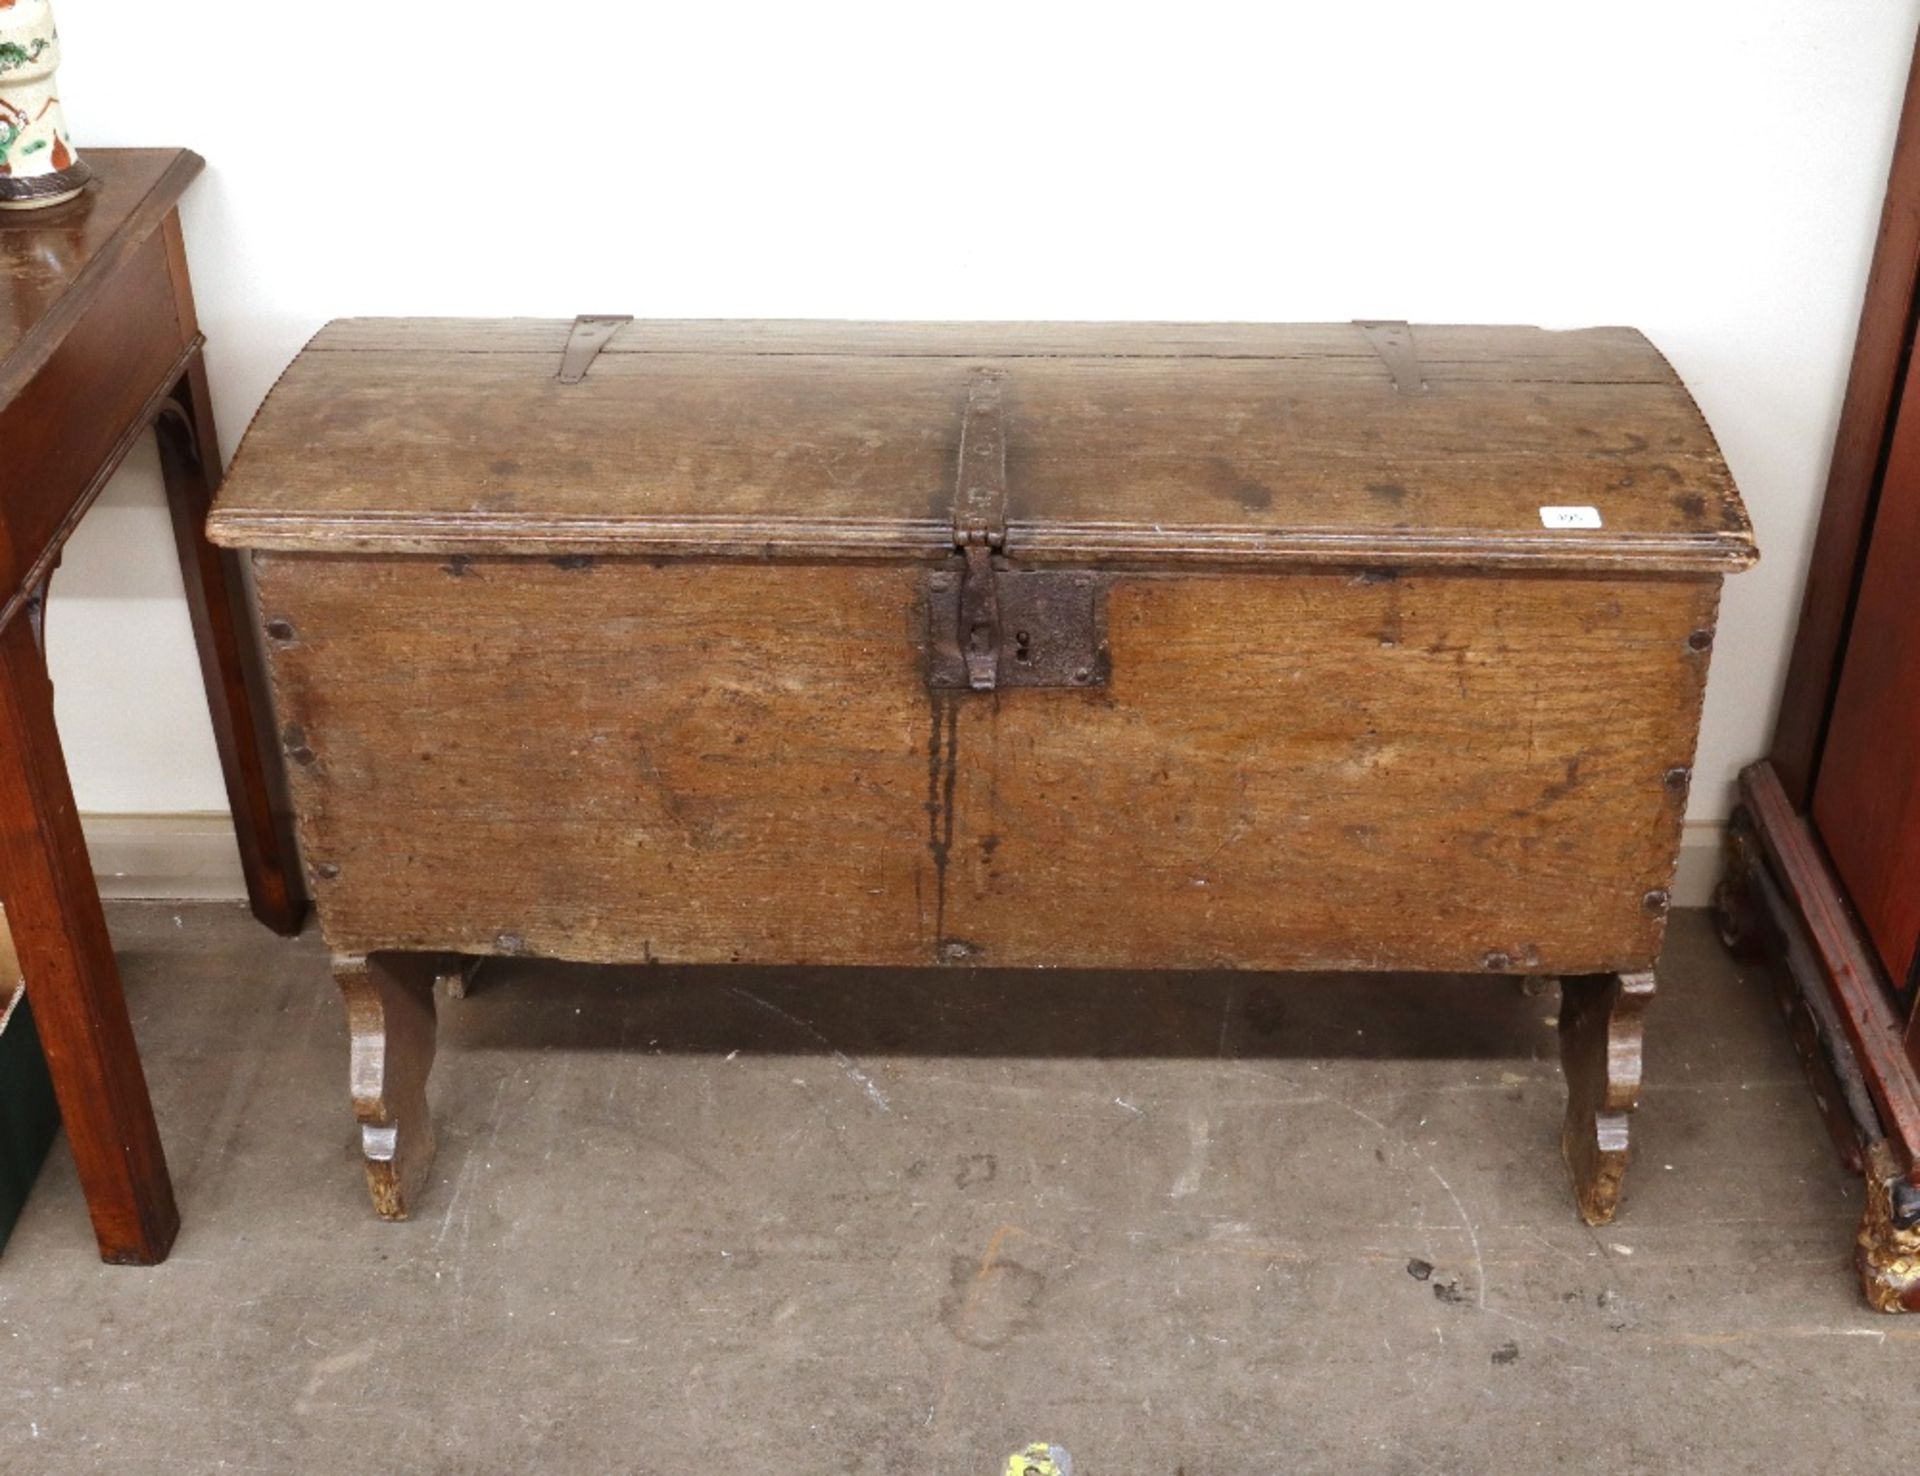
<point>752,1221</point>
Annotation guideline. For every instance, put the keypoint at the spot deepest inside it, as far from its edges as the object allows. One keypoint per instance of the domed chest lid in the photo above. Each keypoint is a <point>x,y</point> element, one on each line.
<point>1141,445</point>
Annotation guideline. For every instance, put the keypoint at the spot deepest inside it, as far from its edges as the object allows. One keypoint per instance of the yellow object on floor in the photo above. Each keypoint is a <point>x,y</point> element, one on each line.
<point>1040,1459</point>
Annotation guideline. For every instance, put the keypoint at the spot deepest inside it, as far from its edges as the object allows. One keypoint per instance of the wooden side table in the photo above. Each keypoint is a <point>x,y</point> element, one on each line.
<point>98,343</point>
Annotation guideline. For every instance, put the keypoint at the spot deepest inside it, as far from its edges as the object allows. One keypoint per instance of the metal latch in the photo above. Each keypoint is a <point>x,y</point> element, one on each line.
<point>990,626</point>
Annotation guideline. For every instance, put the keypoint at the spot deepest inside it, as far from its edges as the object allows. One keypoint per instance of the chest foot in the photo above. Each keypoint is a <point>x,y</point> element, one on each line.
<point>457,974</point>
<point>390,1019</point>
<point>1601,1020</point>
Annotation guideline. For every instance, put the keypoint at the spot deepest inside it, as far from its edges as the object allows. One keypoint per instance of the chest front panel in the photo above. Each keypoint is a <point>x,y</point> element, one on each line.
<point>702,761</point>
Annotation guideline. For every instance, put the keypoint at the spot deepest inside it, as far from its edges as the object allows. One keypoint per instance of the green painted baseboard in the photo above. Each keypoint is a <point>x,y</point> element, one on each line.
<point>28,1115</point>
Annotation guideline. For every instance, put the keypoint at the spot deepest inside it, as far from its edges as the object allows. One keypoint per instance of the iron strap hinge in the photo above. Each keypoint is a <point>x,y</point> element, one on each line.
<point>980,528</point>
<point>1392,340</point>
<point>590,333</point>
<point>990,623</point>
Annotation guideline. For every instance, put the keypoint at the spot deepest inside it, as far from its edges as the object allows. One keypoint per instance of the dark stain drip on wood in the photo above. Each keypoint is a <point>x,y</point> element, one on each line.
<point>1392,627</point>
<point>1226,480</point>
<point>943,767</point>
<point>1563,787</point>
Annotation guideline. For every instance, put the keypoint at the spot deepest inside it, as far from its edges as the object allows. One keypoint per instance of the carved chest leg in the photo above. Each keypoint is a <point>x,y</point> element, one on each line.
<point>1601,1017</point>
<point>390,1017</point>
<point>457,974</point>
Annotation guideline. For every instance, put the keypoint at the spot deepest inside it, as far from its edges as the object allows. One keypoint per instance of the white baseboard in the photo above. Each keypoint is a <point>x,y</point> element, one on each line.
<point>185,858</point>
<point>1700,861</point>
<point>193,857</point>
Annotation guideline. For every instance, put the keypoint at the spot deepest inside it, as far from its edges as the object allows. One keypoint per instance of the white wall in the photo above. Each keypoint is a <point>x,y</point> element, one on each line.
<point>1707,170</point>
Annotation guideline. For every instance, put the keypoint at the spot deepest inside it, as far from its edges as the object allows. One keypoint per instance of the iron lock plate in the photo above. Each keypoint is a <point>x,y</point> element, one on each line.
<point>1052,629</point>
<point>990,624</point>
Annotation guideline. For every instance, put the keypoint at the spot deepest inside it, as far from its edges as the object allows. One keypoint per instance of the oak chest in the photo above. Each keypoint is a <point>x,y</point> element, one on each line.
<point>1345,647</point>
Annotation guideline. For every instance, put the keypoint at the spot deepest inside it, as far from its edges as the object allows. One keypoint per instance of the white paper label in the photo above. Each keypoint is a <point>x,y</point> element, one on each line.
<point>1570,517</point>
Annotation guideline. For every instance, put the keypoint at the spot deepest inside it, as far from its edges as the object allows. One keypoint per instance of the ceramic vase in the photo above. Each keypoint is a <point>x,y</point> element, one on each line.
<point>38,165</point>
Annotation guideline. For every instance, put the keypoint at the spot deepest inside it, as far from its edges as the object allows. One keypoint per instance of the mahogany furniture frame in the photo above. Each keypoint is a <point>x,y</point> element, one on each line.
<point>1781,898</point>
<point>99,343</point>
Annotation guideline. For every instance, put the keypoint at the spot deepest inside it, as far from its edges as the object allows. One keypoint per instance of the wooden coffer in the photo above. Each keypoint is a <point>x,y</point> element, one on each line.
<point>1355,646</point>
<point>1130,646</point>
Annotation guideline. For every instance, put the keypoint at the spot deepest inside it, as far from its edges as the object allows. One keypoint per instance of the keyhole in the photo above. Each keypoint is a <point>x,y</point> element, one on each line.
<point>1022,646</point>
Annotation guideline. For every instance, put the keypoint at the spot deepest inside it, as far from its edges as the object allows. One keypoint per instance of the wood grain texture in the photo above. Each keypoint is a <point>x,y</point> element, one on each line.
<point>708,761</point>
<point>1874,388</point>
<point>1509,353</point>
<point>1602,1030</point>
<point>1149,444</point>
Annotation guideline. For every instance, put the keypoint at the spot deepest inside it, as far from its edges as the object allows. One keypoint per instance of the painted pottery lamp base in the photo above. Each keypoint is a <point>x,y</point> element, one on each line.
<point>39,166</point>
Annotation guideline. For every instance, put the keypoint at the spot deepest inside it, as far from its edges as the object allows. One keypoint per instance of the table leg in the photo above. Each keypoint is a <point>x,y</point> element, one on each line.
<point>60,932</point>
<point>229,659</point>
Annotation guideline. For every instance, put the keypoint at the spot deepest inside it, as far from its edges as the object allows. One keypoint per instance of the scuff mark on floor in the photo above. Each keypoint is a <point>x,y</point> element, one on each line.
<point>1199,1137</point>
<point>1473,1236</point>
<point>1466,1220</point>
<point>840,1058</point>
<point>325,1369</point>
